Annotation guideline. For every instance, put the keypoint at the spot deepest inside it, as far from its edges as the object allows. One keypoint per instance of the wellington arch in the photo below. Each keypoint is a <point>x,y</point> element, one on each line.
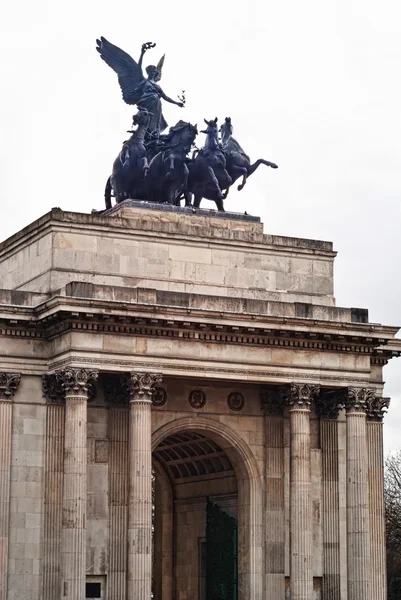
<point>185,413</point>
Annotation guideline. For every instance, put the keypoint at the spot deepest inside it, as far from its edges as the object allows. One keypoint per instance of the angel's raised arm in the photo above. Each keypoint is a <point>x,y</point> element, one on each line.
<point>146,46</point>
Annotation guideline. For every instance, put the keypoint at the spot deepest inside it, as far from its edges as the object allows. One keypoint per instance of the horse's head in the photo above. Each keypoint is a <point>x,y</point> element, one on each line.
<point>141,118</point>
<point>226,129</point>
<point>211,127</point>
<point>182,134</point>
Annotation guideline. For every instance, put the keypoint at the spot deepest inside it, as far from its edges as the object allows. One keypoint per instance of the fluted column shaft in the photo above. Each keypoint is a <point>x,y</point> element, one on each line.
<point>140,486</point>
<point>376,497</point>
<point>358,532</point>
<point>73,554</point>
<point>118,502</point>
<point>301,536</point>
<point>272,406</point>
<point>8,385</point>
<point>328,406</point>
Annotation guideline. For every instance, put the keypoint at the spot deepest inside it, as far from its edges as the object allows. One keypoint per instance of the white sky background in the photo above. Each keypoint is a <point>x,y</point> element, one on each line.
<point>313,86</point>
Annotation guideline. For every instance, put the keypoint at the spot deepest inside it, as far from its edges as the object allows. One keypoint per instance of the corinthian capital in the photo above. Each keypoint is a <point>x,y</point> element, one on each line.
<point>377,407</point>
<point>329,403</point>
<point>77,382</point>
<point>143,385</point>
<point>271,401</point>
<point>300,395</point>
<point>358,400</point>
<point>9,383</point>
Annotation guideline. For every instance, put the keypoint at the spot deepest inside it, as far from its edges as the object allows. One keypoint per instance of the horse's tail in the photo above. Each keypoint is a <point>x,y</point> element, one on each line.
<point>107,194</point>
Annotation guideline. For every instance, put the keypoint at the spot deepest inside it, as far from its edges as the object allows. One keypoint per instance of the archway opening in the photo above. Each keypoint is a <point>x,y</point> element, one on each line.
<point>196,500</point>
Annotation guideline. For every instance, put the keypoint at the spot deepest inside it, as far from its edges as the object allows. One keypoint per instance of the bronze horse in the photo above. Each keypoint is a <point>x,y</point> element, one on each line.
<point>238,163</point>
<point>131,165</point>
<point>207,171</point>
<point>167,177</point>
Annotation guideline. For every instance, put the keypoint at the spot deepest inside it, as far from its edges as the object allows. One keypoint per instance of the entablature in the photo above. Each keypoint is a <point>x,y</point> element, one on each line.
<point>61,314</point>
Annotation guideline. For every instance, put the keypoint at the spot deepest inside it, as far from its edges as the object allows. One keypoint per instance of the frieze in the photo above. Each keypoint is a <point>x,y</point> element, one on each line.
<point>9,384</point>
<point>130,364</point>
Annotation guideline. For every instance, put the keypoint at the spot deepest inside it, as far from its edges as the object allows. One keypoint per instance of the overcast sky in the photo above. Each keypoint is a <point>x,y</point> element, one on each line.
<point>313,86</point>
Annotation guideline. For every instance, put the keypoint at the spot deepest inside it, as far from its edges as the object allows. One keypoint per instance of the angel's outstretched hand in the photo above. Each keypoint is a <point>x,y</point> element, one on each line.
<point>147,46</point>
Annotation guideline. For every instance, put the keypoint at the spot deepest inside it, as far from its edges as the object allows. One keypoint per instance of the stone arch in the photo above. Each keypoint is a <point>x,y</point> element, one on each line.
<point>249,495</point>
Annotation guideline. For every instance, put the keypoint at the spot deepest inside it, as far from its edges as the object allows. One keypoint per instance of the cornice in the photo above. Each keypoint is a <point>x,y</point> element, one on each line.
<point>60,314</point>
<point>116,226</point>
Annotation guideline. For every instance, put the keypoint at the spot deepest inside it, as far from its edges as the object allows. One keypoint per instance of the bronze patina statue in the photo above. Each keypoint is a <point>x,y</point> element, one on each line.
<point>156,167</point>
<point>136,89</point>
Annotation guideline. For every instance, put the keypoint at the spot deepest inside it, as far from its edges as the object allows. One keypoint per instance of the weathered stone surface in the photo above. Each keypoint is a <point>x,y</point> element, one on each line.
<point>137,246</point>
<point>215,306</point>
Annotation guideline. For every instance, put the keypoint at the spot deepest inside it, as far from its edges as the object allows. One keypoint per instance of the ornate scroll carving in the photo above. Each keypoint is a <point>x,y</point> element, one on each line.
<point>53,390</point>
<point>377,407</point>
<point>329,403</point>
<point>78,382</point>
<point>358,399</point>
<point>142,386</point>
<point>300,395</point>
<point>117,389</point>
<point>272,401</point>
<point>9,383</point>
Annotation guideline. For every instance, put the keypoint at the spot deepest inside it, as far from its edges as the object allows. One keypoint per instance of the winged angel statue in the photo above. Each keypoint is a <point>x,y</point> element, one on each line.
<point>136,89</point>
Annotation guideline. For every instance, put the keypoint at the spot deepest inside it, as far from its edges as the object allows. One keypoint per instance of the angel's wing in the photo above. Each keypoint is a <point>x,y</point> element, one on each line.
<point>129,72</point>
<point>160,68</point>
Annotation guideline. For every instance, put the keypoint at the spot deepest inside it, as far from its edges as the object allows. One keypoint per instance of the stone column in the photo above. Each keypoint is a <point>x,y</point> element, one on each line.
<point>9,383</point>
<point>376,410</point>
<point>358,531</point>
<point>140,486</point>
<point>116,393</point>
<point>272,407</point>
<point>299,398</point>
<point>328,406</point>
<point>54,394</point>
<point>76,384</point>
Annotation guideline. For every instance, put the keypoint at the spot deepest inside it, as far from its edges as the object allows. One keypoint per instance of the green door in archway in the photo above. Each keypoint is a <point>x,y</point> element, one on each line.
<point>221,554</point>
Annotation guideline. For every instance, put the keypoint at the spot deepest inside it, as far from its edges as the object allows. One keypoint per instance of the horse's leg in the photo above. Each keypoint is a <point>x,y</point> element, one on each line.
<point>170,172</point>
<point>171,194</point>
<point>261,161</point>
<point>215,183</point>
<point>197,199</point>
<point>144,165</point>
<point>240,172</point>
<point>225,193</point>
<point>188,198</point>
